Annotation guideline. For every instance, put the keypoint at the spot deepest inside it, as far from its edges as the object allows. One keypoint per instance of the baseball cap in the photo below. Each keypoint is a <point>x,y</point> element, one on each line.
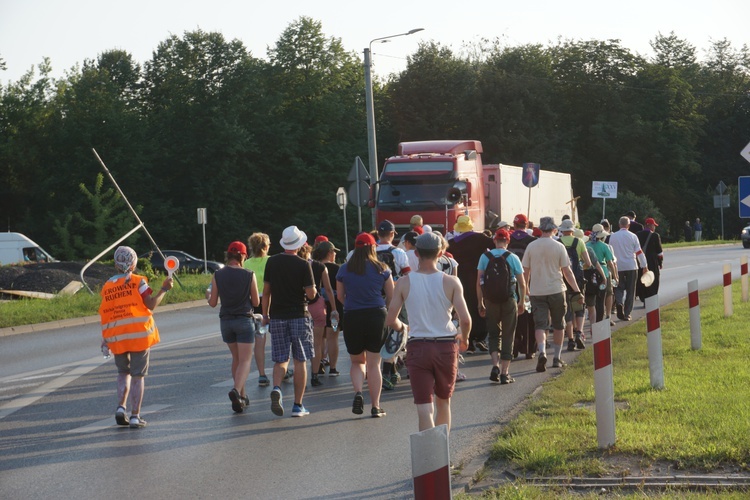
<point>364,240</point>
<point>237,247</point>
<point>650,220</point>
<point>411,237</point>
<point>416,220</point>
<point>520,219</point>
<point>429,241</point>
<point>502,234</point>
<point>324,247</point>
<point>386,226</point>
<point>502,224</point>
<point>320,238</point>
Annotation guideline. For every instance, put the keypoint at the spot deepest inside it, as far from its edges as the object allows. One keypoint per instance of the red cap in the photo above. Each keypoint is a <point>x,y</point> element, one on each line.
<point>237,247</point>
<point>520,219</point>
<point>364,240</point>
<point>651,221</point>
<point>536,232</point>
<point>502,234</point>
<point>418,230</point>
<point>320,238</point>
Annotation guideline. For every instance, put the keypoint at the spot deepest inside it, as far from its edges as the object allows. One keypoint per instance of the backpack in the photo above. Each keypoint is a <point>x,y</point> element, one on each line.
<point>497,286</point>
<point>386,257</point>
<point>575,263</point>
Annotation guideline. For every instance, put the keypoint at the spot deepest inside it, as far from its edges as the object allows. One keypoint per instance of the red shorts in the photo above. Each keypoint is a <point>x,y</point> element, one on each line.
<point>432,369</point>
<point>318,312</point>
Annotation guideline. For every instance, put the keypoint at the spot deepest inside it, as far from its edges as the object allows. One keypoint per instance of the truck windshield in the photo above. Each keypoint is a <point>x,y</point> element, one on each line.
<point>414,195</point>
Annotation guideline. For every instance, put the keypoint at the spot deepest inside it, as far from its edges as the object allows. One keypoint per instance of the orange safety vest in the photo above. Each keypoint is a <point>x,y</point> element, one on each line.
<point>127,324</point>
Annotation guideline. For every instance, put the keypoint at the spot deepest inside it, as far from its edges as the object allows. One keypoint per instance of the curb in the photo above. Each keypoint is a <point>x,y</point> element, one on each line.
<point>86,320</point>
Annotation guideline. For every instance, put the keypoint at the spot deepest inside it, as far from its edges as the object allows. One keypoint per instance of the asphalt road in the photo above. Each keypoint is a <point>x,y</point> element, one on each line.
<point>58,435</point>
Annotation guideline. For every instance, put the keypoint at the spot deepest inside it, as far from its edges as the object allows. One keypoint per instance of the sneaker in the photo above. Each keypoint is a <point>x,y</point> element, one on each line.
<point>315,382</point>
<point>541,363</point>
<point>620,313</point>
<point>136,422</point>
<point>495,374</point>
<point>299,410</point>
<point>395,378</point>
<point>263,381</point>
<point>245,400</point>
<point>234,397</point>
<point>276,402</point>
<point>377,412</point>
<point>387,385</point>
<point>611,323</point>
<point>288,375</point>
<point>120,417</point>
<point>579,343</point>
<point>322,369</point>
<point>359,404</point>
<point>471,349</point>
<point>325,361</point>
<point>482,346</point>
<point>460,376</point>
<point>571,345</point>
<point>558,363</point>
<point>627,318</point>
<point>505,378</point>
<point>333,372</point>
<point>530,355</point>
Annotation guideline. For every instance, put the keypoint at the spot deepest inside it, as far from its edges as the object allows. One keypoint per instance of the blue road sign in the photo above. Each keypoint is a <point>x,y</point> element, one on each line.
<point>743,185</point>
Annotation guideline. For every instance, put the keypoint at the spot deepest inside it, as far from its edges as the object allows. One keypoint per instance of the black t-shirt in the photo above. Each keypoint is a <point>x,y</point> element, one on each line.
<point>288,276</point>
<point>234,285</point>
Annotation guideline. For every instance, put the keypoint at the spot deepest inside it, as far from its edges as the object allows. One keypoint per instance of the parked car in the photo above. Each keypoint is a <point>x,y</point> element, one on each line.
<point>188,263</point>
<point>745,236</point>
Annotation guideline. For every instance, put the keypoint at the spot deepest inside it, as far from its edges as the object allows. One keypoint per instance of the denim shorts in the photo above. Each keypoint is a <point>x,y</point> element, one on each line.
<point>237,329</point>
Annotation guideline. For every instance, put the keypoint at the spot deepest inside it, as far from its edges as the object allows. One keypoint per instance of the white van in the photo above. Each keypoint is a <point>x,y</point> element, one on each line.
<point>16,248</point>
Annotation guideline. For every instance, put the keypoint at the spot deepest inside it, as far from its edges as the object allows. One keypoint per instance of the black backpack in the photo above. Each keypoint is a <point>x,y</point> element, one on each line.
<point>386,257</point>
<point>575,264</point>
<point>497,285</point>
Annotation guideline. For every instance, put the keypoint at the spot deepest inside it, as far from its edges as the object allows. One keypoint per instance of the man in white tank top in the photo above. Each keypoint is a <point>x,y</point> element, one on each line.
<point>430,295</point>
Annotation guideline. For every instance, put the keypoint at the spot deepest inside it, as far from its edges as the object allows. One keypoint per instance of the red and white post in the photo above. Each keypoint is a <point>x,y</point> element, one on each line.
<point>743,277</point>
<point>728,309</point>
<point>655,361</point>
<point>604,387</point>
<point>694,305</point>
<point>430,464</point>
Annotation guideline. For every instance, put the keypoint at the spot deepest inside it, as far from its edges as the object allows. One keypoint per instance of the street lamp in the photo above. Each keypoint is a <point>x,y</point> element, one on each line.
<point>371,146</point>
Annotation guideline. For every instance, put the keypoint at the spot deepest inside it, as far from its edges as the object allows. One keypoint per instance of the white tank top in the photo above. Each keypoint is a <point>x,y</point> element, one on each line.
<point>428,308</point>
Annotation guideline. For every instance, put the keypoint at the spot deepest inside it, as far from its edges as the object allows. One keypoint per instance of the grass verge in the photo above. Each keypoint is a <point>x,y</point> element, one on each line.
<point>699,423</point>
<point>31,311</point>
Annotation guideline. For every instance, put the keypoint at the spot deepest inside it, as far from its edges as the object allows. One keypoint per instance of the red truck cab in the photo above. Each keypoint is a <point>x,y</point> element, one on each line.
<point>439,180</point>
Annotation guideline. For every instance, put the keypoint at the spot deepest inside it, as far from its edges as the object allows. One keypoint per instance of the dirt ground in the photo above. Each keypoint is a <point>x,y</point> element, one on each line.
<point>51,277</point>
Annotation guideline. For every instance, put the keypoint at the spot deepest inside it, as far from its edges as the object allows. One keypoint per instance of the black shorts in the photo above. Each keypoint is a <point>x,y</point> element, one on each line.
<point>365,330</point>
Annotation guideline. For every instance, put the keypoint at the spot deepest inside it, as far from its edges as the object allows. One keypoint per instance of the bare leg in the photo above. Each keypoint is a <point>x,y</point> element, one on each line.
<point>332,341</point>
<point>137,387</point>
<point>317,348</point>
<point>123,388</point>
<point>300,380</point>
<point>357,371</point>
<point>425,414</point>
<point>443,412</point>
<point>241,367</point>
<point>541,340</point>
<point>374,378</point>
<point>279,370</point>
<point>260,354</point>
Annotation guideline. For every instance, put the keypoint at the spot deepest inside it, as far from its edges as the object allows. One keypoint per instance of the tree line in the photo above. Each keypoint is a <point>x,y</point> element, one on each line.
<point>265,143</point>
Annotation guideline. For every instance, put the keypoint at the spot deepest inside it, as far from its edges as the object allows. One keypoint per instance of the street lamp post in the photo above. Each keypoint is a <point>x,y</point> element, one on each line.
<point>372,149</point>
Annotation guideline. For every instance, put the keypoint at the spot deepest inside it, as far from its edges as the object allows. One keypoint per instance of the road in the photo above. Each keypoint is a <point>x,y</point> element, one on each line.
<point>58,435</point>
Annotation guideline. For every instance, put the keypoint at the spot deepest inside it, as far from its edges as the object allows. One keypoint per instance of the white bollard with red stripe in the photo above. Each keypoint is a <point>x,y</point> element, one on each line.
<point>655,361</point>
<point>430,464</point>
<point>604,387</point>
<point>728,309</point>
<point>743,277</point>
<point>695,315</point>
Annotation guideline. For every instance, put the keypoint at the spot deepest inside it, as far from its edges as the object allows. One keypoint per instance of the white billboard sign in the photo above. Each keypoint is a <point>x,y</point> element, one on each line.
<point>603,189</point>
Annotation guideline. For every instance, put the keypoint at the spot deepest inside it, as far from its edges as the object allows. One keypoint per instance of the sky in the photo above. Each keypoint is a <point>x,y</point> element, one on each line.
<point>68,32</point>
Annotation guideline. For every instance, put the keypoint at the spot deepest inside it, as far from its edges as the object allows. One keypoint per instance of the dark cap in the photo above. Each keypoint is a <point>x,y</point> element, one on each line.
<point>386,226</point>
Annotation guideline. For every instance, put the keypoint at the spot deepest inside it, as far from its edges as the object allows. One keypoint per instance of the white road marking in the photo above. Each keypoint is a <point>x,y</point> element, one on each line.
<point>110,421</point>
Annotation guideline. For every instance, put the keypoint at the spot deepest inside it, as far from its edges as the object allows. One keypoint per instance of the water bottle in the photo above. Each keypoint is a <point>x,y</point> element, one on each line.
<point>334,323</point>
<point>105,351</point>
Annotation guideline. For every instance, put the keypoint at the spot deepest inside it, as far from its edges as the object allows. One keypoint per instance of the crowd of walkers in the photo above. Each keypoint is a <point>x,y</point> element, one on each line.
<point>404,311</point>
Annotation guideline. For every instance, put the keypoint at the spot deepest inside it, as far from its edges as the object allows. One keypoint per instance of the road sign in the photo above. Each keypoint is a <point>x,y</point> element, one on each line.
<point>746,152</point>
<point>721,201</point>
<point>743,188</point>
<point>721,188</point>
<point>358,166</point>
<point>341,198</point>
<point>604,189</point>
<point>359,197</point>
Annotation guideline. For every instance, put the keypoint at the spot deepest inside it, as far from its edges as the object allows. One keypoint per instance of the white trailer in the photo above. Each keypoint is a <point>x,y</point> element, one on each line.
<point>506,196</point>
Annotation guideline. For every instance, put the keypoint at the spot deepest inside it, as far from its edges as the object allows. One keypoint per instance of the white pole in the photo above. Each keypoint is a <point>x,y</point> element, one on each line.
<point>604,388</point>
<point>728,309</point>
<point>430,464</point>
<point>695,315</point>
<point>655,361</point>
<point>743,277</point>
